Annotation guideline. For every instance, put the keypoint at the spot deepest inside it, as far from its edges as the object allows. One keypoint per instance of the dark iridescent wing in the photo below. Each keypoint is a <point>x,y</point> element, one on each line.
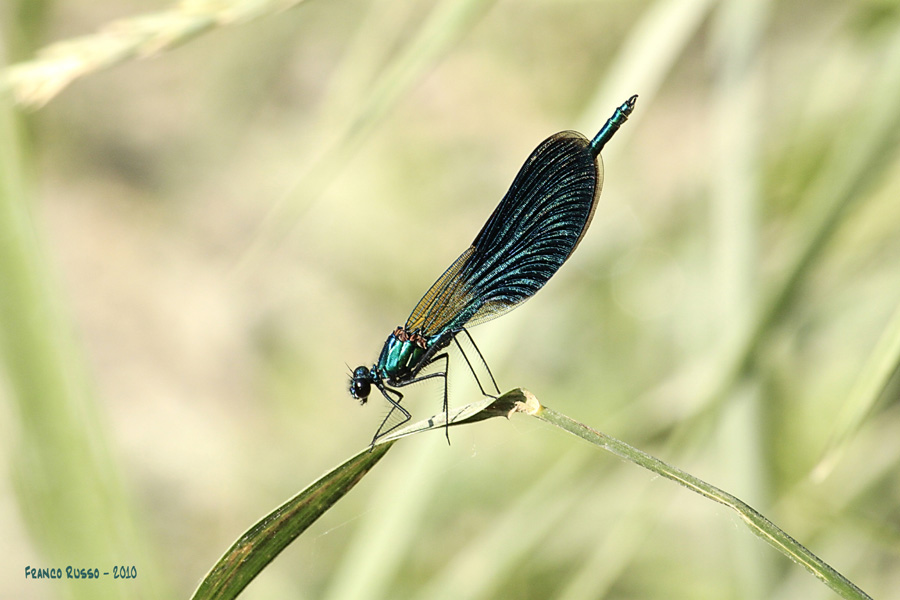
<point>529,236</point>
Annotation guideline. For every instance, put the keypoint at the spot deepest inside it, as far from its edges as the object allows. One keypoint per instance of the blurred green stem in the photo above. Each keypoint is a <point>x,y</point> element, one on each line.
<point>65,478</point>
<point>735,167</point>
<point>25,28</point>
<point>35,82</point>
<point>645,60</point>
<point>856,162</point>
<point>874,377</point>
<point>445,25</point>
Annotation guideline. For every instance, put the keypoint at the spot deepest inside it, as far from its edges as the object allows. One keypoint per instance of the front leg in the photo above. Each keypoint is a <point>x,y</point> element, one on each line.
<point>395,405</point>
<point>446,358</point>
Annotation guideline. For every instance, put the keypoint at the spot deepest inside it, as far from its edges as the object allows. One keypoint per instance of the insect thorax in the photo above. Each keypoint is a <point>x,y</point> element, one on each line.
<point>401,355</point>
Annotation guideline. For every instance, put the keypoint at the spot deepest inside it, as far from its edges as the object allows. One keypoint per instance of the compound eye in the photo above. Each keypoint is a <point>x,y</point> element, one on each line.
<point>360,384</point>
<point>360,390</point>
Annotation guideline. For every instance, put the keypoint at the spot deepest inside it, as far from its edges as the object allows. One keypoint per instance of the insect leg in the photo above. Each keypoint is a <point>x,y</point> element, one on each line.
<point>484,362</point>
<point>395,405</point>
<point>446,358</point>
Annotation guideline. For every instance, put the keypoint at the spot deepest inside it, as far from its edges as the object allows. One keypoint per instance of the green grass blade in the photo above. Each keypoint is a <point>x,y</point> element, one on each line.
<point>757,523</point>
<point>392,520</point>
<point>273,533</point>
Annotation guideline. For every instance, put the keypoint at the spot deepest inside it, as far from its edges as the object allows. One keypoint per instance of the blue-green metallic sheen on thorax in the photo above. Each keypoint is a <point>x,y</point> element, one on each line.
<point>398,357</point>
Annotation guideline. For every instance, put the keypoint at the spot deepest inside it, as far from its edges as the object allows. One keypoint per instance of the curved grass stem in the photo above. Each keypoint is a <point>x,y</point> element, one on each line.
<point>758,524</point>
<point>274,532</point>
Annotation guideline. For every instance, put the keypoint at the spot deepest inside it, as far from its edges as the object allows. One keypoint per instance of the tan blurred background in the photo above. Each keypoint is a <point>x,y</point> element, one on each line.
<point>223,230</point>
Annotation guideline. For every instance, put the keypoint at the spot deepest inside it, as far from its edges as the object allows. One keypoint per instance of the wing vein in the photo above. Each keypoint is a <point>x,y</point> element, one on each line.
<point>527,238</point>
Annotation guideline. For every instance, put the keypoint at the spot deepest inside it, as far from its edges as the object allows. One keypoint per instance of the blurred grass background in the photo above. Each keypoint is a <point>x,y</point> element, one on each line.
<point>196,247</point>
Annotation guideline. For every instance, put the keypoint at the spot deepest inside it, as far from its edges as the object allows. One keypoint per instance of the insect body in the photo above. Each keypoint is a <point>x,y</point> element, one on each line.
<point>530,234</point>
